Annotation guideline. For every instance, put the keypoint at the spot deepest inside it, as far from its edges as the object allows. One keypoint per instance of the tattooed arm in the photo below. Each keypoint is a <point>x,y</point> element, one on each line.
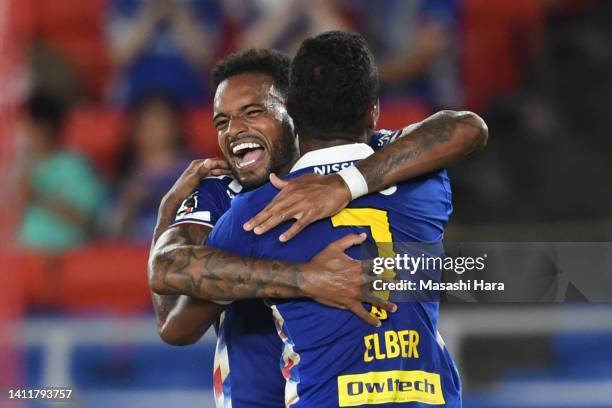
<point>184,274</point>
<point>200,272</point>
<point>182,319</point>
<point>438,141</point>
<point>434,143</point>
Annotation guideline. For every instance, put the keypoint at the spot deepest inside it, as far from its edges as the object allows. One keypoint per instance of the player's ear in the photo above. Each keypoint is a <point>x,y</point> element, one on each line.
<point>372,116</point>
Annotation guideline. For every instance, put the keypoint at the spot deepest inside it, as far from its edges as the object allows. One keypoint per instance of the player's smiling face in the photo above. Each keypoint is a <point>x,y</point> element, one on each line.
<point>254,130</point>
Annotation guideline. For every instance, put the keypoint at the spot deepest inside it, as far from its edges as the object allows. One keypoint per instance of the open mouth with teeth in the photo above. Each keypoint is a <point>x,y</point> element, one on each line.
<point>247,154</point>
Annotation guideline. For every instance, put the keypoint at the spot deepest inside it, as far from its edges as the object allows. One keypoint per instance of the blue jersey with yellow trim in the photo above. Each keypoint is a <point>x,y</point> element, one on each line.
<point>330,357</point>
<point>247,342</point>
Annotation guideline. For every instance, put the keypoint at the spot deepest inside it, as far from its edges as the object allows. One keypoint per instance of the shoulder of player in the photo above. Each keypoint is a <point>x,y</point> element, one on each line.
<point>419,207</point>
<point>430,186</point>
<point>247,204</point>
<point>255,199</point>
<point>215,183</point>
<point>434,176</point>
<point>229,226</point>
<point>383,137</point>
<point>386,132</point>
<point>216,180</point>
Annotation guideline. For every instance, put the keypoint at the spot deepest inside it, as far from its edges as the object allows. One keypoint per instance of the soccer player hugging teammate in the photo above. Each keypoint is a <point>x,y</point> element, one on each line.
<point>192,282</point>
<point>331,358</point>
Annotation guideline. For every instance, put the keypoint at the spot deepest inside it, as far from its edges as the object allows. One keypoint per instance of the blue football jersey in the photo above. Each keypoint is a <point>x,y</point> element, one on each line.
<point>244,326</point>
<point>212,198</point>
<point>208,202</point>
<point>247,341</point>
<point>330,357</point>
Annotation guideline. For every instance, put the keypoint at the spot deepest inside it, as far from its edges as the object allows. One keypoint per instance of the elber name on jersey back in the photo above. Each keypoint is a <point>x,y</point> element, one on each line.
<point>249,351</point>
<point>330,357</point>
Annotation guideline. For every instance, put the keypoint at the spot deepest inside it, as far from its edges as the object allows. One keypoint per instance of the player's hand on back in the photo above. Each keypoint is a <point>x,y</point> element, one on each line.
<point>307,198</point>
<point>335,279</point>
<point>193,174</point>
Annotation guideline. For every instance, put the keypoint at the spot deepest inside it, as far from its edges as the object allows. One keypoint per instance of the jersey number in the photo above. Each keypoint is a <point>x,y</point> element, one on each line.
<point>378,222</point>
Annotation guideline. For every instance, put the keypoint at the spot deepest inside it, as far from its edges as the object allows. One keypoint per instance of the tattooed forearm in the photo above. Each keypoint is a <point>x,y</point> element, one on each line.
<point>436,142</point>
<point>187,234</point>
<point>207,273</point>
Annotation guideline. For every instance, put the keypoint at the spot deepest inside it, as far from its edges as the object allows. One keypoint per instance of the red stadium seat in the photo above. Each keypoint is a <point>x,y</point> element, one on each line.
<point>12,281</point>
<point>97,133</point>
<point>35,280</point>
<point>107,278</point>
<point>39,277</point>
<point>75,28</point>
<point>103,277</point>
<point>201,134</point>
<point>89,57</point>
<point>498,37</point>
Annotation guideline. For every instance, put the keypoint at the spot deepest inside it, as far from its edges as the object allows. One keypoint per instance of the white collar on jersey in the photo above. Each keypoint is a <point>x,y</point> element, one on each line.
<point>335,154</point>
<point>235,186</point>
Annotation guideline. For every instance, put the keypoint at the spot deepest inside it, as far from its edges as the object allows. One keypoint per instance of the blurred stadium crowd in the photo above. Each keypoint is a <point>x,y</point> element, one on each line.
<point>118,100</point>
<point>105,102</point>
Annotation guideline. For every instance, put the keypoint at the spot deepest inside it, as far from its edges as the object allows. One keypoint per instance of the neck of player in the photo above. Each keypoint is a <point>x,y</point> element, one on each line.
<point>308,144</point>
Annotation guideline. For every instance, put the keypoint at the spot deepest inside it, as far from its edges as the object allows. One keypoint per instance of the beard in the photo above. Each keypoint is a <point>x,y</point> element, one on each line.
<point>282,155</point>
